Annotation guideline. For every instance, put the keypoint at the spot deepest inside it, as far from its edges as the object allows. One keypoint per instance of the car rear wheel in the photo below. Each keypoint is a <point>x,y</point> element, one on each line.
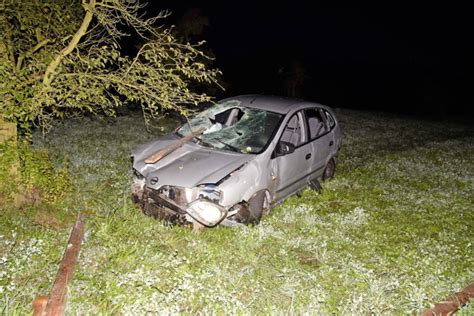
<point>330,170</point>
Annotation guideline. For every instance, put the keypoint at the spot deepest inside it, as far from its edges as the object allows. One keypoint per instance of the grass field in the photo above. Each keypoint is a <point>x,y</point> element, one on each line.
<point>391,234</point>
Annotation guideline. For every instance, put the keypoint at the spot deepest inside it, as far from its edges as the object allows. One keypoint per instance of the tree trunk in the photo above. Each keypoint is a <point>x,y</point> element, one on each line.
<point>7,131</point>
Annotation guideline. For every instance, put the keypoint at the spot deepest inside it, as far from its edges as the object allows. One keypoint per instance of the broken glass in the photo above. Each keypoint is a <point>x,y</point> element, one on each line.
<point>230,126</point>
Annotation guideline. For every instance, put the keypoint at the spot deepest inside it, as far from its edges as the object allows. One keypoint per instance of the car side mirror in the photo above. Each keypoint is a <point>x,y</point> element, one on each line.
<point>285,148</point>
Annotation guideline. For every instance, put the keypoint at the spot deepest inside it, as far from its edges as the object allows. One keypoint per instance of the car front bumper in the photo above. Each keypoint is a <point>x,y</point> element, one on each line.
<point>159,206</point>
<point>177,210</point>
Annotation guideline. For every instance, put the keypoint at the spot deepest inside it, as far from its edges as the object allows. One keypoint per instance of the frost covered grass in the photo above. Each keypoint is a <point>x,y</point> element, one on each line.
<point>391,234</point>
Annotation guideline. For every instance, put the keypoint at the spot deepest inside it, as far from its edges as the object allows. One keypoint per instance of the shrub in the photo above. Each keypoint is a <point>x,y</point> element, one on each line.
<point>29,175</point>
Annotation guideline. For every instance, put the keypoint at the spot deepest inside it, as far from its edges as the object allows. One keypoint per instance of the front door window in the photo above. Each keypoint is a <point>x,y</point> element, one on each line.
<point>293,132</point>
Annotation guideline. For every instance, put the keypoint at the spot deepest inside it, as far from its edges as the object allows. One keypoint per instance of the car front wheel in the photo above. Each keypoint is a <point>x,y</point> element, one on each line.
<point>251,212</point>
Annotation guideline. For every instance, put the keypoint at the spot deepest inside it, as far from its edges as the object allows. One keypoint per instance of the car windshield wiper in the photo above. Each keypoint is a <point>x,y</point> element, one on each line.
<point>233,148</point>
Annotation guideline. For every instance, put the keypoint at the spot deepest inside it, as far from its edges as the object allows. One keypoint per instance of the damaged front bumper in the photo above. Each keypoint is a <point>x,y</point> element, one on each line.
<point>172,206</point>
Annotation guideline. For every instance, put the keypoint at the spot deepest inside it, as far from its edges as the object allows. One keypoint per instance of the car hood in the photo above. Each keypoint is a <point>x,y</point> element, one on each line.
<point>187,166</point>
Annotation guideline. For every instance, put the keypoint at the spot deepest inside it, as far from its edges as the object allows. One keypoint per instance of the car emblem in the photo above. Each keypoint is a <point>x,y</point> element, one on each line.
<point>154,180</point>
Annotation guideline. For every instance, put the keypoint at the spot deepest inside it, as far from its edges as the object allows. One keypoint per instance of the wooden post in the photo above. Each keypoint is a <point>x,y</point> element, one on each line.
<point>55,303</point>
<point>173,146</point>
<point>451,304</point>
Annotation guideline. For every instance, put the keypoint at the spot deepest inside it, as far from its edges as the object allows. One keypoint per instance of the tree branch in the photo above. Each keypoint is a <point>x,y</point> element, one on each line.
<point>31,51</point>
<point>48,75</point>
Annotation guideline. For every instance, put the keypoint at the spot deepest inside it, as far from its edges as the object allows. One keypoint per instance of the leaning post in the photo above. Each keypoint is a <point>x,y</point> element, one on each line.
<point>55,303</point>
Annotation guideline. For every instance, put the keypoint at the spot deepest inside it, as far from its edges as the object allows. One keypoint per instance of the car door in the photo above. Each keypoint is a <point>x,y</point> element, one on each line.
<point>321,140</point>
<point>290,171</point>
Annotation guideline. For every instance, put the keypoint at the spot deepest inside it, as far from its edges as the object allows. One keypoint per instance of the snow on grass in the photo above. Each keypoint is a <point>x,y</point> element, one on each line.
<point>391,234</point>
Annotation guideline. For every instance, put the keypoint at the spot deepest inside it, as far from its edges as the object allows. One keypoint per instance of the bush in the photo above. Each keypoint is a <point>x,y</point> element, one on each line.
<point>28,175</point>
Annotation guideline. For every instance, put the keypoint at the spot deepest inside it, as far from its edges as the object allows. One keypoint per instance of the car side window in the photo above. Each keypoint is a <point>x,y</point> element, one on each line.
<point>294,131</point>
<point>316,123</point>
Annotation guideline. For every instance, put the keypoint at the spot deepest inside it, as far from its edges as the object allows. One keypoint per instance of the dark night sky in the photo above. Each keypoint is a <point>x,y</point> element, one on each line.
<point>404,58</point>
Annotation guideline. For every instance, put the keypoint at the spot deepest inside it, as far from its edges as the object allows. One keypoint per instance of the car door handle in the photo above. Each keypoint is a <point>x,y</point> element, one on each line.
<point>331,143</point>
<point>308,156</point>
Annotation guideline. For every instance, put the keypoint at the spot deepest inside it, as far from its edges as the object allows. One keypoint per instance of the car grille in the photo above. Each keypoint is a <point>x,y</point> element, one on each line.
<point>172,199</point>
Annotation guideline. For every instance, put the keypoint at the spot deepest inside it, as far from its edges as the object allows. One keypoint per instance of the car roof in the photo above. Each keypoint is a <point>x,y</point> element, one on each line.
<point>281,105</point>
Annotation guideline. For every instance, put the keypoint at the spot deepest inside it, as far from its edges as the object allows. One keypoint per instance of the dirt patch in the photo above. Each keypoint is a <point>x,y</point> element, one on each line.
<point>310,261</point>
<point>308,258</point>
<point>28,197</point>
<point>451,304</point>
<point>46,218</point>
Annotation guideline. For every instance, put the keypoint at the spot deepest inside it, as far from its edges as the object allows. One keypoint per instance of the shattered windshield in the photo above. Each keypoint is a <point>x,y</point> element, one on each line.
<point>229,126</point>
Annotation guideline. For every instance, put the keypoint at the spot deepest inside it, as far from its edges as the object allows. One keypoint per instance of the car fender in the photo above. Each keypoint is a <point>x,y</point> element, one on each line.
<point>245,182</point>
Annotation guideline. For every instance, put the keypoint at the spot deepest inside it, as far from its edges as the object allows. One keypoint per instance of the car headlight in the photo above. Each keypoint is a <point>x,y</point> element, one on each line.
<point>209,192</point>
<point>206,212</point>
<point>204,192</point>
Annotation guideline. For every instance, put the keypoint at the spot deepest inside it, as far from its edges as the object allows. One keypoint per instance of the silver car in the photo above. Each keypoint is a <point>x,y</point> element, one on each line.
<point>233,162</point>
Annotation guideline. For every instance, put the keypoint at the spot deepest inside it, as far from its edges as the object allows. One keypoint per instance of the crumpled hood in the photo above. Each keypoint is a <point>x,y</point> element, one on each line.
<point>187,166</point>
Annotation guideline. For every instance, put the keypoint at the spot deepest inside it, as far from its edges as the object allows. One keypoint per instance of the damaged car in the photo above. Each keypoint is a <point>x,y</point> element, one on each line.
<point>233,162</point>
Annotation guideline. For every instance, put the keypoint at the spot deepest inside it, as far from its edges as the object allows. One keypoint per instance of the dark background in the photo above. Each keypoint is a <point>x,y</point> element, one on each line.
<point>414,59</point>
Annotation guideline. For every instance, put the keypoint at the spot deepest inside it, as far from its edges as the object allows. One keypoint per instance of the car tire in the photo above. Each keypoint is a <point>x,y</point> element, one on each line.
<point>252,212</point>
<point>330,170</point>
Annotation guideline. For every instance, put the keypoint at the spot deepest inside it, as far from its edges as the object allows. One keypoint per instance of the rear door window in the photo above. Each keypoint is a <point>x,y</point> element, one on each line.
<point>316,123</point>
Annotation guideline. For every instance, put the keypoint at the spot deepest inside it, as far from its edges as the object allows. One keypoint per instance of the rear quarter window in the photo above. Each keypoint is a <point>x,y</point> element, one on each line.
<point>330,119</point>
